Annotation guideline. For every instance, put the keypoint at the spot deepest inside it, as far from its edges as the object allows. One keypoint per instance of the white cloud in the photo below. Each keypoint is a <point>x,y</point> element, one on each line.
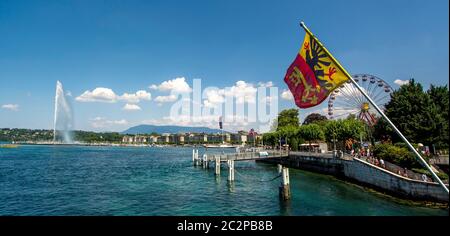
<point>287,95</point>
<point>136,97</point>
<point>244,92</point>
<point>265,84</point>
<point>168,98</point>
<point>69,94</point>
<point>101,122</point>
<point>213,97</point>
<point>401,82</point>
<point>11,107</point>
<point>98,95</point>
<point>108,95</point>
<point>131,107</point>
<point>176,85</point>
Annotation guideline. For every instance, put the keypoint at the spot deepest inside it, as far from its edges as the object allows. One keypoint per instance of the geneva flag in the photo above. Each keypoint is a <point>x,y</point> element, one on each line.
<point>313,75</point>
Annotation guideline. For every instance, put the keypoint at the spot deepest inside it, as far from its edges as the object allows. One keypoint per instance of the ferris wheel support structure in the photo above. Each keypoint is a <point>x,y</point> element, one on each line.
<point>424,163</point>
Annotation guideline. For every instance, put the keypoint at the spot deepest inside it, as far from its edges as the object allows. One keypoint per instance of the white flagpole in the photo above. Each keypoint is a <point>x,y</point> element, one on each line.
<point>424,163</point>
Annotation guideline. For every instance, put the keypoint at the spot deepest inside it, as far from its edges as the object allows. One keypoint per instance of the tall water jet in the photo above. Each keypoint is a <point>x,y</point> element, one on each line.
<point>63,122</point>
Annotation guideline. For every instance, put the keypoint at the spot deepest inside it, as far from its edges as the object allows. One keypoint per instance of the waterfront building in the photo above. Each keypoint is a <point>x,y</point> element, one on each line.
<point>197,138</point>
<point>140,139</point>
<point>181,138</point>
<point>254,139</point>
<point>165,138</point>
<point>194,138</point>
<point>239,138</point>
<point>134,139</point>
<point>227,138</point>
<point>215,138</point>
<point>153,139</point>
<point>127,139</point>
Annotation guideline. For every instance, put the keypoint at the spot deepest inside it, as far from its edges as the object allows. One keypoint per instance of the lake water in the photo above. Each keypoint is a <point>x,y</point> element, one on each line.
<point>77,180</point>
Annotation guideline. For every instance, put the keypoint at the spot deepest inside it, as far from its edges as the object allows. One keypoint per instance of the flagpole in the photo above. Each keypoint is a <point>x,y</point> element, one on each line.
<point>424,163</point>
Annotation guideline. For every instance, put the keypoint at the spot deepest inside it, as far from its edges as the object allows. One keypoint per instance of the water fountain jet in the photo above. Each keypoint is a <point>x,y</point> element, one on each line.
<point>63,122</point>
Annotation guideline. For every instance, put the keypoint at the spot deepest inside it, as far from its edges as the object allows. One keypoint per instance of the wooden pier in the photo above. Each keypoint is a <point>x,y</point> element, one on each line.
<point>245,156</point>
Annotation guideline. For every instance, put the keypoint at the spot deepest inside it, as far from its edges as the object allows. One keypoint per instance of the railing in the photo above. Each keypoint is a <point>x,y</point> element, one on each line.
<point>342,155</point>
<point>439,160</point>
<point>247,155</point>
<point>397,169</point>
<point>313,154</point>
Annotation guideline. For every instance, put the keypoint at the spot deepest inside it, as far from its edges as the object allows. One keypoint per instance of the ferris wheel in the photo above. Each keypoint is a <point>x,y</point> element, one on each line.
<point>348,100</point>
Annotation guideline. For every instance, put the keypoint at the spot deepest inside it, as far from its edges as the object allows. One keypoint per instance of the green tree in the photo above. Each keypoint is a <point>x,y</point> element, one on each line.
<point>290,135</point>
<point>396,154</point>
<point>311,133</point>
<point>288,117</point>
<point>351,129</point>
<point>333,131</point>
<point>343,130</point>
<point>270,139</point>
<point>440,97</point>
<point>314,118</point>
<point>414,113</point>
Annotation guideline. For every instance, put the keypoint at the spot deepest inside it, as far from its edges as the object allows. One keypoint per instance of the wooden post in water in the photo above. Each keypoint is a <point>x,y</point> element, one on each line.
<point>230,170</point>
<point>217,162</point>
<point>285,191</point>
<point>280,167</point>
<point>197,160</point>
<point>194,157</point>
<point>204,161</point>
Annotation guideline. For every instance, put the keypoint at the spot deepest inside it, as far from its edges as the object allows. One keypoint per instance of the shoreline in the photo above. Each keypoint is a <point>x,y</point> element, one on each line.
<point>117,144</point>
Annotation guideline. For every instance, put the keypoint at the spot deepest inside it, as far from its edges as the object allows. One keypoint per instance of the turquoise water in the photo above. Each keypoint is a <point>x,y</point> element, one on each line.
<point>76,180</point>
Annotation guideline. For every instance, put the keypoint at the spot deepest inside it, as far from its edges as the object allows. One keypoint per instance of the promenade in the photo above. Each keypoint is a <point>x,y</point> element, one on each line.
<point>361,171</point>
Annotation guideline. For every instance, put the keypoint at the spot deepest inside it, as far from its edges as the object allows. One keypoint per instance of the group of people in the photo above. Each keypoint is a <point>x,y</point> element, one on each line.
<point>402,172</point>
<point>376,161</point>
<point>361,152</point>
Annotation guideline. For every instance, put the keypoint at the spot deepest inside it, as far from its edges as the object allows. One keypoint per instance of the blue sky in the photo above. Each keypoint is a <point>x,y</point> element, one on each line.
<point>127,46</point>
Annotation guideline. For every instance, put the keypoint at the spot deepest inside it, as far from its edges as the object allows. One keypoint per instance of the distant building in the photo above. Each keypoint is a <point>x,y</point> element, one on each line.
<point>215,138</point>
<point>241,137</point>
<point>127,139</point>
<point>181,138</point>
<point>164,138</point>
<point>228,138</point>
<point>140,139</point>
<point>153,139</point>
<point>134,139</point>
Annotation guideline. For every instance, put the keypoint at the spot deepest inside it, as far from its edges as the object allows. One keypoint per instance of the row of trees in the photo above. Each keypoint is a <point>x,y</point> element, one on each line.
<point>315,128</point>
<point>92,137</point>
<point>36,135</point>
<point>422,116</point>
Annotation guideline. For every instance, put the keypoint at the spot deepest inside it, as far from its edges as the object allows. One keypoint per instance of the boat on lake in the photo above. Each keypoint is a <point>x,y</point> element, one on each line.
<point>9,145</point>
<point>218,146</point>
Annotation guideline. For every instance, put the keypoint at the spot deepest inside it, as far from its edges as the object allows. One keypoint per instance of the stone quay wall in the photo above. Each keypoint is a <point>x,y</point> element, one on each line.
<point>366,174</point>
